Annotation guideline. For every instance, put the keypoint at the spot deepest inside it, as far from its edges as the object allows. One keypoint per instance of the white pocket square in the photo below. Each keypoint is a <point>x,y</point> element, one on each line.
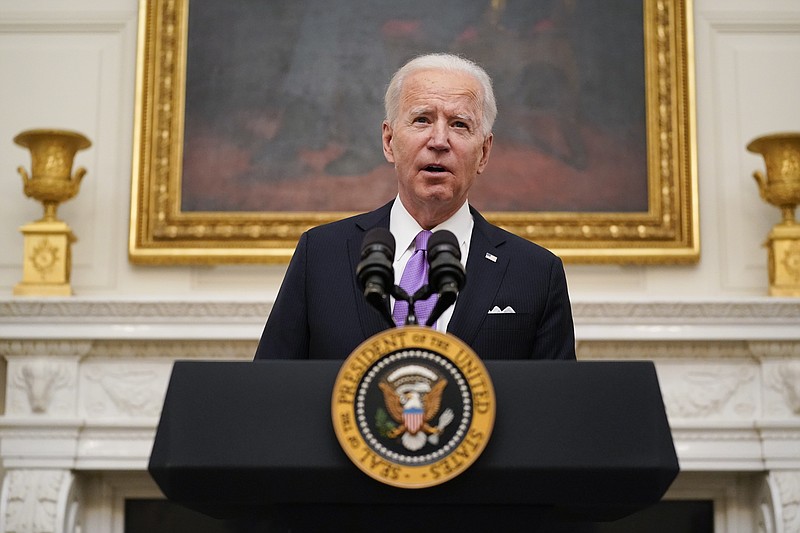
<point>497,311</point>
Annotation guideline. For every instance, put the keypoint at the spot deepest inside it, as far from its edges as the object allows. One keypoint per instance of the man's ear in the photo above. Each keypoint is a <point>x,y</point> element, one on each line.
<point>387,135</point>
<point>486,150</point>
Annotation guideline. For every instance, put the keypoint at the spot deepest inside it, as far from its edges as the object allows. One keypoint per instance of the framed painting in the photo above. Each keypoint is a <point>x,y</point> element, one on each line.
<point>256,121</point>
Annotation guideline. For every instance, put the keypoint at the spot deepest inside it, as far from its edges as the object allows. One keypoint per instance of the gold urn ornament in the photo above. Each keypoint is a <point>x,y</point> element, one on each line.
<point>780,186</point>
<point>47,260</point>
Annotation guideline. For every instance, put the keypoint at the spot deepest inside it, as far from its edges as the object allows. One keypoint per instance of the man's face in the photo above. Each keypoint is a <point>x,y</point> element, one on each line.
<point>436,143</point>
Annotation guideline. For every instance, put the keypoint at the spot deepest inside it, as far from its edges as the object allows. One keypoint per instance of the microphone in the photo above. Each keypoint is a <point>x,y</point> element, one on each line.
<point>446,274</point>
<point>375,272</point>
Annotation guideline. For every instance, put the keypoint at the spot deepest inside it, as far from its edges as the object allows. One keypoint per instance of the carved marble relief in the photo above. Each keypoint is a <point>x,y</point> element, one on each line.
<point>788,486</point>
<point>782,389</point>
<point>35,500</point>
<point>710,391</point>
<point>128,390</point>
<point>41,386</point>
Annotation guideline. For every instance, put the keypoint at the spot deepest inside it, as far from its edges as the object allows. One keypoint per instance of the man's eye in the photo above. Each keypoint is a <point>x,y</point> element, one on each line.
<point>421,120</point>
<point>460,124</point>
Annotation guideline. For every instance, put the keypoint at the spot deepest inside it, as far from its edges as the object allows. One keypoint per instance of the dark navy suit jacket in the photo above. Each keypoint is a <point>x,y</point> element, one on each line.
<point>321,313</point>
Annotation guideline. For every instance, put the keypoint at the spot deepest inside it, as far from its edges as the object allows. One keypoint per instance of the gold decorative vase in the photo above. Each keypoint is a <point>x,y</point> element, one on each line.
<point>47,260</point>
<point>781,188</point>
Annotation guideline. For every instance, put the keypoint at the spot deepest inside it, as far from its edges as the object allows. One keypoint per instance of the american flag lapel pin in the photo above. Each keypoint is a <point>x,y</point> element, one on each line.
<point>491,257</point>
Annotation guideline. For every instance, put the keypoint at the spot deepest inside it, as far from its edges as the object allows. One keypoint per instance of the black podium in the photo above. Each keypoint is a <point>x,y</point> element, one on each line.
<point>572,441</point>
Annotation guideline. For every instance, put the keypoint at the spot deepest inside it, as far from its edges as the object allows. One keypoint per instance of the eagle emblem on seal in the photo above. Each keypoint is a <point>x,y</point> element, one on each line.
<point>413,398</point>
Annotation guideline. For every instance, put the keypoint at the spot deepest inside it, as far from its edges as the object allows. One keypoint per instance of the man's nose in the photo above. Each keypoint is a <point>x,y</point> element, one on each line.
<point>439,139</point>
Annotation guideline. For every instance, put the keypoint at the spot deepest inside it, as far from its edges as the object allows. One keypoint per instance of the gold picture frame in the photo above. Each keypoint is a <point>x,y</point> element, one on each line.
<point>162,233</point>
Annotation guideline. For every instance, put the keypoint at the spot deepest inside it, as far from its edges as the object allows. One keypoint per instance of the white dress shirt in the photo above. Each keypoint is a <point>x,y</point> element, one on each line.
<point>405,229</point>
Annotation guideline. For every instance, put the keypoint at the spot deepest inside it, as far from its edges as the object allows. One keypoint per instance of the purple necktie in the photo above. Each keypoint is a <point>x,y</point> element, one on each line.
<point>415,276</point>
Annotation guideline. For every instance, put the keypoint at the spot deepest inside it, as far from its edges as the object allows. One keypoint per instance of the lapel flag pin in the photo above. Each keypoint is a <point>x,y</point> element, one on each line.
<point>490,257</point>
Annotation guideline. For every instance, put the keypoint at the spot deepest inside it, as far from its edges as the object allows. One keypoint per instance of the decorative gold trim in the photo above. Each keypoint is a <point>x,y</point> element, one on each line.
<point>160,233</point>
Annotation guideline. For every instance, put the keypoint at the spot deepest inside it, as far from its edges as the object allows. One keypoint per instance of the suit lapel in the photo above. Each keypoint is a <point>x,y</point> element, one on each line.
<point>371,321</point>
<point>486,267</point>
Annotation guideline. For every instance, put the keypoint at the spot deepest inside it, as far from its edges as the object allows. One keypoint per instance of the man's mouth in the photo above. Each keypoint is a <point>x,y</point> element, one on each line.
<point>435,168</point>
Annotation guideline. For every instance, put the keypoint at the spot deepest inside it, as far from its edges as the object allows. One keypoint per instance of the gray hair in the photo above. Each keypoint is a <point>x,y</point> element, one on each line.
<point>446,62</point>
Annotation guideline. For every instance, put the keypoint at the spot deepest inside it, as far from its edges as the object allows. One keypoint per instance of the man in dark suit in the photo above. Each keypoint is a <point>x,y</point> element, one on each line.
<point>438,134</point>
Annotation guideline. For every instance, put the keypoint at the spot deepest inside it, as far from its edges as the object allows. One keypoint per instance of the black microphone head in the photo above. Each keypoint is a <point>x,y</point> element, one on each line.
<point>443,240</point>
<point>444,256</point>
<point>375,270</point>
<point>378,237</point>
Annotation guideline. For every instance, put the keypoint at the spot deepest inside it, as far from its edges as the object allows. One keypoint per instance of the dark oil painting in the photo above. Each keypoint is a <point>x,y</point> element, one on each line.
<point>284,101</point>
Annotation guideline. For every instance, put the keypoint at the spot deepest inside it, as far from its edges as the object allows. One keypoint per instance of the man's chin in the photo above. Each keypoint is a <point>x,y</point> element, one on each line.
<point>435,185</point>
<point>439,195</point>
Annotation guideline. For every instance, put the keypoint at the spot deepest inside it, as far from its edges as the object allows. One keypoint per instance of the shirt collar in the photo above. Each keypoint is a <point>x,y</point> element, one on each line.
<point>404,228</point>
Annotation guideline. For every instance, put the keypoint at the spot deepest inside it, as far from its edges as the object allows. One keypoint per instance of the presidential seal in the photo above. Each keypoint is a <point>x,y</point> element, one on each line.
<point>413,407</point>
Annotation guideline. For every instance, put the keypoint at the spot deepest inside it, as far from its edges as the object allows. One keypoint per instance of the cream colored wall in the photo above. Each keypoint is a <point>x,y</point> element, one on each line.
<point>72,65</point>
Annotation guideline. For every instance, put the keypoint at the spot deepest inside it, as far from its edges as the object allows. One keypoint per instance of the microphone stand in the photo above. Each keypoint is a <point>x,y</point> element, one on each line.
<point>376,296</point>
<point>423,293</point>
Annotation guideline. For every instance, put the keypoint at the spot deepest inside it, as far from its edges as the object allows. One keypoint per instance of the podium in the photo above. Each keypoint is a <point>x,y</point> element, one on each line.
<point>572,441</point>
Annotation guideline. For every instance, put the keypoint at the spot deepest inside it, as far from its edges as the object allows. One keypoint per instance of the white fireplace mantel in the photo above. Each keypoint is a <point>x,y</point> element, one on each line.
<point>85,378</point>
<point>87,318</point>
